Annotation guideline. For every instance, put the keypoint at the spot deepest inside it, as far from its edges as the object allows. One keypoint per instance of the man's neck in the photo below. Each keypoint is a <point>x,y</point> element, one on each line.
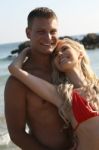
<point>40,61</point>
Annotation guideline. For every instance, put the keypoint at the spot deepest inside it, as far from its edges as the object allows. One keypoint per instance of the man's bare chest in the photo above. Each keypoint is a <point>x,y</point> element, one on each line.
<point>41,111</point>
<point>44,120</point>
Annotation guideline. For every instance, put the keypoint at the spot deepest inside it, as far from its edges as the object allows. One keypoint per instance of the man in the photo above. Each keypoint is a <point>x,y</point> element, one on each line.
<point>22,106</point>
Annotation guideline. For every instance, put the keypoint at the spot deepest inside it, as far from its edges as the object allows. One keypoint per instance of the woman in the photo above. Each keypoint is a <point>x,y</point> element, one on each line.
<point>75,93</point>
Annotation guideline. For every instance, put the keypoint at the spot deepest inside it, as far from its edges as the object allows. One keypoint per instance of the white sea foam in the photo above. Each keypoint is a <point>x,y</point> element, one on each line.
<point>4,139</point>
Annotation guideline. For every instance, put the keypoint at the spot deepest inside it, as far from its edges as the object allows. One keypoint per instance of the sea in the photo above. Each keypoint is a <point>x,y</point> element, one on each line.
<point>5,60</point>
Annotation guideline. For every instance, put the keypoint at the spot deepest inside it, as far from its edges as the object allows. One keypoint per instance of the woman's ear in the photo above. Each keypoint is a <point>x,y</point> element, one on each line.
<point>28,32</point>
<point>81,55</point>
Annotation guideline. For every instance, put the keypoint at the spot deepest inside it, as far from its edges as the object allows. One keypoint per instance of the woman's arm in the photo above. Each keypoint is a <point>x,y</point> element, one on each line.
<point>41,87</point>
<point>19,60</point>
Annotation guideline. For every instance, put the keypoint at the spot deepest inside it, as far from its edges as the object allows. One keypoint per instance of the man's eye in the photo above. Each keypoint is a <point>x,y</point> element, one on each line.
<point>41,32</point>
<point>53,32</point>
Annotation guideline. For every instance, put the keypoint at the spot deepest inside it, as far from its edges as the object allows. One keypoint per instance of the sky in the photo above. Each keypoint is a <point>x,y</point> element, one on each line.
<point>75,17</point>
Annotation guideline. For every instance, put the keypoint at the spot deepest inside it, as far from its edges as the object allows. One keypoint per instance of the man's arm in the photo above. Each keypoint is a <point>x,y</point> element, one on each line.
<point>15,113</point>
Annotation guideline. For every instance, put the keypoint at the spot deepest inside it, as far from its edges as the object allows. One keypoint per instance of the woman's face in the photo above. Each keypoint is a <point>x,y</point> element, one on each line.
<point>66,57</point>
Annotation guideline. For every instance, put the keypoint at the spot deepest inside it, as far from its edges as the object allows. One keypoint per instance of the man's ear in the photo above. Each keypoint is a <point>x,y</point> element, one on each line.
<point>28,32</point>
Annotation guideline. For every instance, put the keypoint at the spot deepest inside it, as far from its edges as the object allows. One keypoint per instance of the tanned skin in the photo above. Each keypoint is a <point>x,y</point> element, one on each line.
<point>22,106</point>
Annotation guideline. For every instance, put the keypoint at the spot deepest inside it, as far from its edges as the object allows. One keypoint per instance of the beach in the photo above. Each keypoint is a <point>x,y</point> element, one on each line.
<point>5,60</point>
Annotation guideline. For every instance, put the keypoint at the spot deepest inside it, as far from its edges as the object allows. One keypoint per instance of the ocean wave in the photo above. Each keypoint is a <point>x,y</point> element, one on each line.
<point>4,136</point>
<point>4,139</point>
<point>8,58</point>
<point>4,76</point>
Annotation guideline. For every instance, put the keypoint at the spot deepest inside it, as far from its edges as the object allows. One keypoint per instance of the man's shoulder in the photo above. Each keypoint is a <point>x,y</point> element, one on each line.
<point>14,90</point>
<point>11,79</point>
<point>14,83</point>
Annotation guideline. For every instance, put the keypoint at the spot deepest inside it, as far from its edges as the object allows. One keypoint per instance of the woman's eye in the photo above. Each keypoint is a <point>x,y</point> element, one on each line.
<point>55,54</point>
<point>64,48</point>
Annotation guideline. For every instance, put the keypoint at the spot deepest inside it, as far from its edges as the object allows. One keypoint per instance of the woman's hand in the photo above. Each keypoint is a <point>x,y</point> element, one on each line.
<point>19,60</point>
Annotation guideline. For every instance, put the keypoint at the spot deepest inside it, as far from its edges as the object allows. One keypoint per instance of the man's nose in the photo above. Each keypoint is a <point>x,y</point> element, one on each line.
<point>48,36</point>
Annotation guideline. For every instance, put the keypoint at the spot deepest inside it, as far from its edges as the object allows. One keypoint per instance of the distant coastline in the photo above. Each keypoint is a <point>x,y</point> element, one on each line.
<point>90,41</point>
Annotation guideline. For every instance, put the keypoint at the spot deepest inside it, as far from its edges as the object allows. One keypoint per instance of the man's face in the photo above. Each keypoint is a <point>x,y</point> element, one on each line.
<point>43,35</point>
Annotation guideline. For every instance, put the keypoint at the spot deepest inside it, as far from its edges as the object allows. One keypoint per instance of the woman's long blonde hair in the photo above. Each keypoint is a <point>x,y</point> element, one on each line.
<point>59,77</point>
<point>64,87</point>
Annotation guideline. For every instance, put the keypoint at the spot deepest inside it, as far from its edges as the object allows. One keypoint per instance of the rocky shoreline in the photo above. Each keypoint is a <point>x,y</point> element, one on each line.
<point>90,41</point>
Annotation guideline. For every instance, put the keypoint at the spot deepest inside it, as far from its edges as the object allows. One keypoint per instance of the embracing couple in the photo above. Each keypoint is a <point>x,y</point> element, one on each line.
<point>52,90</point>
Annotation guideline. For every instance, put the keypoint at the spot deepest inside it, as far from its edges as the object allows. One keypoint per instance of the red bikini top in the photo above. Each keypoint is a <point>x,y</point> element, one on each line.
<point>82,109</point>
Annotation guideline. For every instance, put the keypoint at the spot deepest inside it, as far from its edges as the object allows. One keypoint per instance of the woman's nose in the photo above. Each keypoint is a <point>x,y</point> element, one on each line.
<point>60,53</point>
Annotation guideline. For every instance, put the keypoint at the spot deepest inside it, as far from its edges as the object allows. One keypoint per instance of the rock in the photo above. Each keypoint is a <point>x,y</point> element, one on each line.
<point>91,41</point>
<point>21,47</point>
